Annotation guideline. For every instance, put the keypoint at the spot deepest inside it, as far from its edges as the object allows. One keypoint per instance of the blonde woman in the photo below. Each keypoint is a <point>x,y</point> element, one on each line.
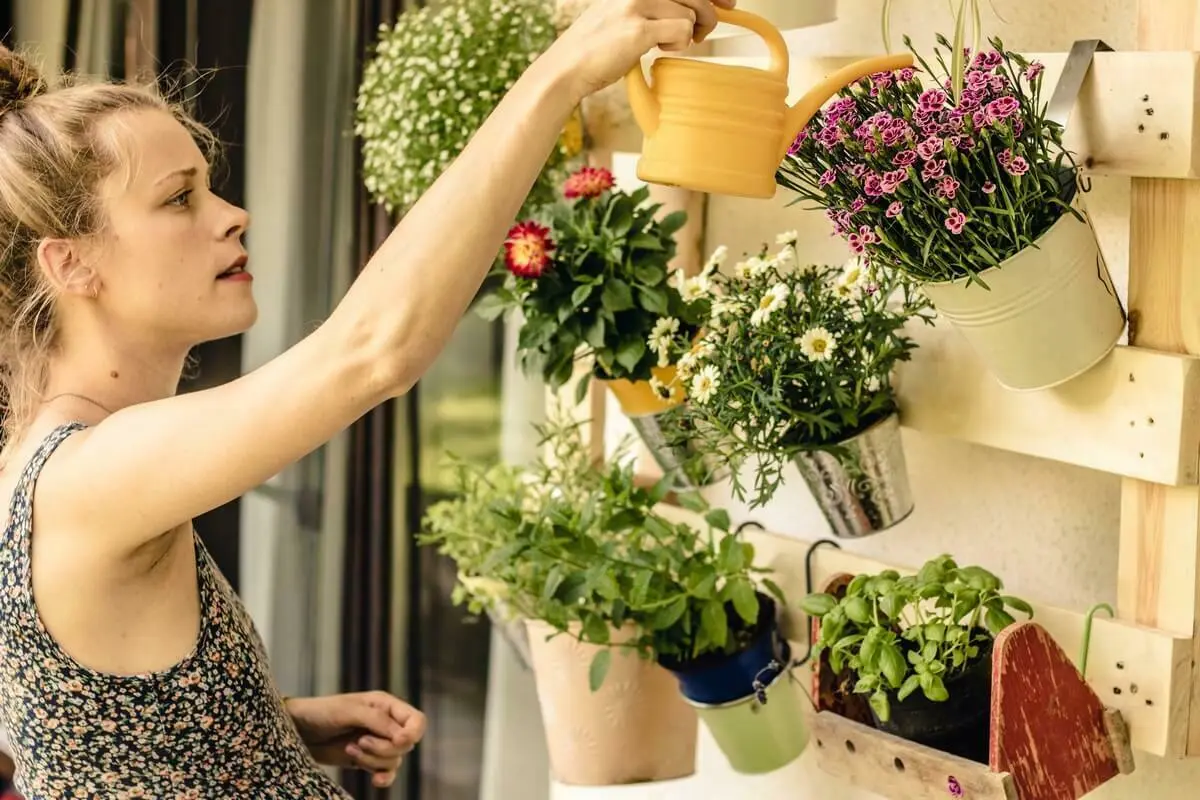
<point>128,668</point>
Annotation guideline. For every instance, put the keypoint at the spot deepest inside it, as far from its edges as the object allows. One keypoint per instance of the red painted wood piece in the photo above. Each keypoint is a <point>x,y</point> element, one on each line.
<point>833,692</point>
<point>1048,727</point>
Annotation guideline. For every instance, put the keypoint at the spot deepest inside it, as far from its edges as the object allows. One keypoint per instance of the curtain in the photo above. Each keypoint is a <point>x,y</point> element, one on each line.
<point>299,159</point>
<point>368,577</point>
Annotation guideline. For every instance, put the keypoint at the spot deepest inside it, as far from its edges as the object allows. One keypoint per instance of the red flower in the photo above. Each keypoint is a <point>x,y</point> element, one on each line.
<point>588,182</point>
<point>527,250</point>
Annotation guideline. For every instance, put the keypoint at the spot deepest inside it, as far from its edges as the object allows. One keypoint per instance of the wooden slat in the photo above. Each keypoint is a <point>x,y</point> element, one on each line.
<point>1129,120</point>
<point>1160,526</point>
<point>1136,414</point>
<point>1140,671</point>
<point>897,768</point>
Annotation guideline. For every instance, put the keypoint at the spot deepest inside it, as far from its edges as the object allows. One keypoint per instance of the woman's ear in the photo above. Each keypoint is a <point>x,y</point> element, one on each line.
<point>61,265</point>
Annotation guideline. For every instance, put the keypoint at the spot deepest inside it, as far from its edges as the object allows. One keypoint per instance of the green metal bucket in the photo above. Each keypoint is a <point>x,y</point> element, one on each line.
<point>756,736</point>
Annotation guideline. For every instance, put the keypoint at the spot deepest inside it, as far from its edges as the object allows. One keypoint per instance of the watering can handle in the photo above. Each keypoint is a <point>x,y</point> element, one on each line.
<point>644,103</point>
<point>779,63</point>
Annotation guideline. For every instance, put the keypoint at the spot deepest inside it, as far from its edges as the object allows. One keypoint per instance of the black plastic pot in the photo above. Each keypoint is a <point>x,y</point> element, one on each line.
<point>716,678</point>
<point>960,725</point>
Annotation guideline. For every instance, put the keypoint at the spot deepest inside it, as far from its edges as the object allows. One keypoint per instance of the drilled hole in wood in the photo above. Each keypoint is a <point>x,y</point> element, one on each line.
<point>1149,702</point>
<point>820,743</point>
<point>1131,377</point>
<point>1120,665</point>
<point>1141,128</point>
<point>1150,420</point>
<point>1141,455</point>
<point>1162,137</point>
<point>850,745</point>
<point>1133,688</point>
<point>1149,112</point>
<point>1116,690</point>
<point>1145,98</point>
<point>898,764</point>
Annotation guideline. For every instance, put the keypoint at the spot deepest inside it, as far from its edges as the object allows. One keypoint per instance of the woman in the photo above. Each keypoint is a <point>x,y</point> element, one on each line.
<point>128,668</point>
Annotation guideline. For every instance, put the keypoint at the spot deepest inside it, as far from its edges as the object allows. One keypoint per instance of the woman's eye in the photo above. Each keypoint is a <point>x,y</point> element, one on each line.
<point>181,199</point>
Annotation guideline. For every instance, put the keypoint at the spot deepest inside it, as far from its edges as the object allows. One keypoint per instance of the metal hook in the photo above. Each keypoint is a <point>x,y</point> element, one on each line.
<point>1087,634</point>
<point>808,588</point>
<point>1070,80</point>
<point>747,524</point>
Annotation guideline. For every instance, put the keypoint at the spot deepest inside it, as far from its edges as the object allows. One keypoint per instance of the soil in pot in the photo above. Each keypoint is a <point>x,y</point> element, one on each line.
<point>716,678</point>
<point>959,725</point>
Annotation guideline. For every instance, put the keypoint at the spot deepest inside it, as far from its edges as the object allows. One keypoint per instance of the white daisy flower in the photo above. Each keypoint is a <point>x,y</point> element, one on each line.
<point>846,291</point>
<point>694,288</point>
<point>685,365</point>
<point>855,272</point>
<point>663,391</point>
<point>661,337</point>
<point>716,260</point>
<point>774,298</point>
<point>818,344</point>
<point>787,238</point>
<point>784,258</point>
<point>704,384</point>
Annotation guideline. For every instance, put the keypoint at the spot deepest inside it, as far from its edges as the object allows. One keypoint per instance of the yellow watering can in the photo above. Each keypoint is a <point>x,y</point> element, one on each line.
<point>724,129</point>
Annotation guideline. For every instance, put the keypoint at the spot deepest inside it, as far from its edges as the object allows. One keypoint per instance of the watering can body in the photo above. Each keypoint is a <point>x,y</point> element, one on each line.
<point>724,129</point>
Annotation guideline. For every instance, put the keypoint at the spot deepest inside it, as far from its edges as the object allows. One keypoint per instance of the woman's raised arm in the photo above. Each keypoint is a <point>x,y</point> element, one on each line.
<point>150,467</point>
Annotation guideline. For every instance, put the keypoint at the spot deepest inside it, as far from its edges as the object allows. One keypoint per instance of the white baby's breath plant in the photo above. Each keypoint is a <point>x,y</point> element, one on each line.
<point>433,78</point>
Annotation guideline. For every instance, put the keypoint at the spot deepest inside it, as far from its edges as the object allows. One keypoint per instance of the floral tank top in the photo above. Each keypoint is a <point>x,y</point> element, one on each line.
<point>212,726</point>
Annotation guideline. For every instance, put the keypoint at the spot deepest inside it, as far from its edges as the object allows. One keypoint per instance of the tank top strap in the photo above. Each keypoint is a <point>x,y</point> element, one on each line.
<point>22,498</point>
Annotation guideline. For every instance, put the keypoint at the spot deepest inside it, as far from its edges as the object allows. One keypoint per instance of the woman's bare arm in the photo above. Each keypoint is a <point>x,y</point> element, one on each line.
<point>150,467</point>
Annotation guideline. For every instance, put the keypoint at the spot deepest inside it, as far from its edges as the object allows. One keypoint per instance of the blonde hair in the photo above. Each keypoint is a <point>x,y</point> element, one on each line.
<point>53,157</point>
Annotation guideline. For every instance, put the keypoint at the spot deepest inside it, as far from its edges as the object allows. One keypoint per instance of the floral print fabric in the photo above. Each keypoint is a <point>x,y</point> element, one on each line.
<point>212,726</point>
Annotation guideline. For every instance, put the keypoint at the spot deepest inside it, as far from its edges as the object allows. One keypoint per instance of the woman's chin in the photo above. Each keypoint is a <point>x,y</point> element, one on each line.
<point>235,322</point>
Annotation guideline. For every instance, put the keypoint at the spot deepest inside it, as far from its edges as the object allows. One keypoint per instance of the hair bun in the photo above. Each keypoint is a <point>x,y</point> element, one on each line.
<point>20,81</point>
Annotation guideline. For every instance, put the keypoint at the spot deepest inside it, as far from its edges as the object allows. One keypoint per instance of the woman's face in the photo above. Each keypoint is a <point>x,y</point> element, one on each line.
<point>168,264</point>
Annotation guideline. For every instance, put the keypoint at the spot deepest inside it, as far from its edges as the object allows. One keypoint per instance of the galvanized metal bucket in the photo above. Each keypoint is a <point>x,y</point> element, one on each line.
<point>675,453</point>
<point>762,732</point>
<point>863,489</point>
<point>1049,314</point>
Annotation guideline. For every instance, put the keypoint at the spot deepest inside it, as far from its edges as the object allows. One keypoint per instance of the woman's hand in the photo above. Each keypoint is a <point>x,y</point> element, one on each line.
<point>611,36</point>
<point>367,730</point>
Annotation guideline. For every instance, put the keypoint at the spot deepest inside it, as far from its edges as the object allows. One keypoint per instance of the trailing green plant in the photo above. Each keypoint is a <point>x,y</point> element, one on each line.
<point>583,548</point>
<point>897,634</point>
<point>595,284</point>
<point>793,359</point>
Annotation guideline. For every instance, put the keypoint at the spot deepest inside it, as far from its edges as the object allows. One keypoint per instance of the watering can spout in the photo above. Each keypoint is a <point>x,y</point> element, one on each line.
<point>807,106</point>
<point>642,101</point>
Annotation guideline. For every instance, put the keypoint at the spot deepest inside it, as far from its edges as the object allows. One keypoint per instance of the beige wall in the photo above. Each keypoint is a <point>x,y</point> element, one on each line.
<point>1051,530</point>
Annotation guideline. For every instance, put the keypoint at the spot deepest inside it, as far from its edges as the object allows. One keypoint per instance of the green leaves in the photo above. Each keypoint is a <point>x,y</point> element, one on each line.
<point>582,547</point>
<point>606,288</point>
<point>598,670</point>
<point>818,605</point>
<point>899,633</point>
<point>617,295</point>
<point>630,353</point>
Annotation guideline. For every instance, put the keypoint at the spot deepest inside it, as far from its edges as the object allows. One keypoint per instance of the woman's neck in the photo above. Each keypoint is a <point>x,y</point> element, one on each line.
<point>111,380</point>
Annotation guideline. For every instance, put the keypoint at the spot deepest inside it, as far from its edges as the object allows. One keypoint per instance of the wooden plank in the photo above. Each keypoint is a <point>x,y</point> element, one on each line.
<point>1048,727</point>
<point>1141,671</point>
<point>899,769</point>
<point>1160,536</point>
<point>1135,414</point>
<point>1129,121</point>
